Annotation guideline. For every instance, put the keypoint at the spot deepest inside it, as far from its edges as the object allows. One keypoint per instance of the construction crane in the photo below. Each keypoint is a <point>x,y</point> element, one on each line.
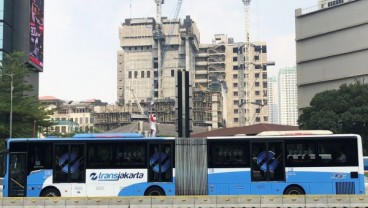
<point>244,69</point>
<point>143,115</point>
<point>161,51</point>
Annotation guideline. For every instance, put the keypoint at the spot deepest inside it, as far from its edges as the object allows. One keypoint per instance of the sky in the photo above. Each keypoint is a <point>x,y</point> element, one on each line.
<point>81,37</point>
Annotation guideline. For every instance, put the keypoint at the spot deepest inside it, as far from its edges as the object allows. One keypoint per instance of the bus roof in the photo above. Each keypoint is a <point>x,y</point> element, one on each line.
<point>109,135</point>
<point>295,133</point>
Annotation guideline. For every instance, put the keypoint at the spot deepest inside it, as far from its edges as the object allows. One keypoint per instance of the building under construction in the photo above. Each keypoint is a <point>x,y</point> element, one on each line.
<point>218,64</point>
<point>230,79</point>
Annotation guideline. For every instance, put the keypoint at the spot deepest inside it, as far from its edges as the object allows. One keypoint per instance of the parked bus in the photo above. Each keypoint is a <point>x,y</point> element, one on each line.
<point>129,164</point>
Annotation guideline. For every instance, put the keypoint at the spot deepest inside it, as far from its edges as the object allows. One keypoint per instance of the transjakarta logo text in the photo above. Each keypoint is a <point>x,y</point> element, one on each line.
<point>114,176</point>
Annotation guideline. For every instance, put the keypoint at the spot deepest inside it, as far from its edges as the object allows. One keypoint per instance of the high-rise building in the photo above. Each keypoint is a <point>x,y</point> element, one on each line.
<point>282,97</point>
<point>21,26</point>
<point>273,100</point>
<point>287,94</point>
<point>331,48</point>
<point>218,62</point>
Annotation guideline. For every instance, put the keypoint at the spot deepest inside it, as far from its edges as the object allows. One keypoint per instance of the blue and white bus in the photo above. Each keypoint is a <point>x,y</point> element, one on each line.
<point>129,164</point>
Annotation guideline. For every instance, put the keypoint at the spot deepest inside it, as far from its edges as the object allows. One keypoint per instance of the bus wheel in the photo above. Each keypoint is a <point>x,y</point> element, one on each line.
<point>154,191</point>
<point>294,190</point>
<point>50,192</point>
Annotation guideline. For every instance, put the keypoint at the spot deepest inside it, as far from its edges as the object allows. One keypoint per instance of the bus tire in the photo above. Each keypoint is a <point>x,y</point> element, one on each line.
<point>50,192</point>
<point>294,190</point>
<point>154,191</point>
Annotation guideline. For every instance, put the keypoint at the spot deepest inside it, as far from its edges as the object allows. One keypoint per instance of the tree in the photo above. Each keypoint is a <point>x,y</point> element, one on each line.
<point>342,111</point>
<point>28,112</point>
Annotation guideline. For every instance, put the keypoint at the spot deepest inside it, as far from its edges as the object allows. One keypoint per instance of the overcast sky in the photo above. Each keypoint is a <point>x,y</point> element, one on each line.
<point>81,37</point>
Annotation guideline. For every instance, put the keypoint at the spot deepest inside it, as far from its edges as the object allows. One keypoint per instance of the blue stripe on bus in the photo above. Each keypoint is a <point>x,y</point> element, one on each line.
<point>312,183</point>
<point>236,183</point>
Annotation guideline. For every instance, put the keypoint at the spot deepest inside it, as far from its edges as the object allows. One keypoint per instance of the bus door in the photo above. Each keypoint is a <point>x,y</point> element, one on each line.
<point>160,162</point>
<point>69,163</point>
<point>18,174</point>
<point>267,165</point>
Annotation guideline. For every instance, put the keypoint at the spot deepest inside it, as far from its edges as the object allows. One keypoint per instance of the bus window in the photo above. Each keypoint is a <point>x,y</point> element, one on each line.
<point>301,154</point>
<point>99,155</point>
<point>338,153</point>
<point>39,156</point>
<point>228,154</point>
<point>131,155</point>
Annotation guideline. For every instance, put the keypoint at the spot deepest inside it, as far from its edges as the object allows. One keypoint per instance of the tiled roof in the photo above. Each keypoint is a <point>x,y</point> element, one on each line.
<point>47,98</point>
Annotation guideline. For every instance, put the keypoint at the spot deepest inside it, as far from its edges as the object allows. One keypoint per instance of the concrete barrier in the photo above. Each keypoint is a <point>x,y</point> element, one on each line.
<point>241,201</point>
<point>227,201</point>
<point>76,202</point>
<point>13,202</point>
<point>183,201</point>
<point>162,202</point>
<point>271,201</point>
<point>55,202</point>
<point>316,201</point>
<point>140,202</point>
<point>96,202</point>
<point>359,201</point>
<point>204,201</point>
<point>293,201</point>
<point>34,202</point>
<point>119,202</point>
<point>338,201</point>
<point>249,201</point>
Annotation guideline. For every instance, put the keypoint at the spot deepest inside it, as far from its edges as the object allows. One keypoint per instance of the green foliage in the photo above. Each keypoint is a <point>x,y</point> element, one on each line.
<point>28,112</point>
<point>342,111</point>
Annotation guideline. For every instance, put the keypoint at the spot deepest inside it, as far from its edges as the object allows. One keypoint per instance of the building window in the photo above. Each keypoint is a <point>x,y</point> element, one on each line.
<point>258,110</point>
<point>264,84</point>
<point>172,73</point>
<point>235,67</point>
<point>236,102</point>
<point>264,76</point>
<point>256,58</point>
<point>235,85</point>
<point>236,111</point>
<point>257,92</point>
<point>235,59</point>
<point>130,75</point>
<point>256,84</point>
<point>148,74</point>
<point>135,74</point>
<point>236,120</point>
<point>265,118</point>
<point>142,74</point>
<point>258,119</point>
<point>235,93</point>
<point>235,50</point>
<point>256,75</point>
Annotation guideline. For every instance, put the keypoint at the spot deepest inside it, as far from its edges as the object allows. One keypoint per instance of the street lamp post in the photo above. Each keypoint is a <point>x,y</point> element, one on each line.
<point>11,104</point>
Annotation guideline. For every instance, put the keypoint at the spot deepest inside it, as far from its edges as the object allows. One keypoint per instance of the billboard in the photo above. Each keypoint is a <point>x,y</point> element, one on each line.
<point>36,33</point>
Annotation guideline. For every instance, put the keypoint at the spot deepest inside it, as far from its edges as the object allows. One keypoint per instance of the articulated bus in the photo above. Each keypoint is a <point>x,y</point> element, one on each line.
<point>128,164</point>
